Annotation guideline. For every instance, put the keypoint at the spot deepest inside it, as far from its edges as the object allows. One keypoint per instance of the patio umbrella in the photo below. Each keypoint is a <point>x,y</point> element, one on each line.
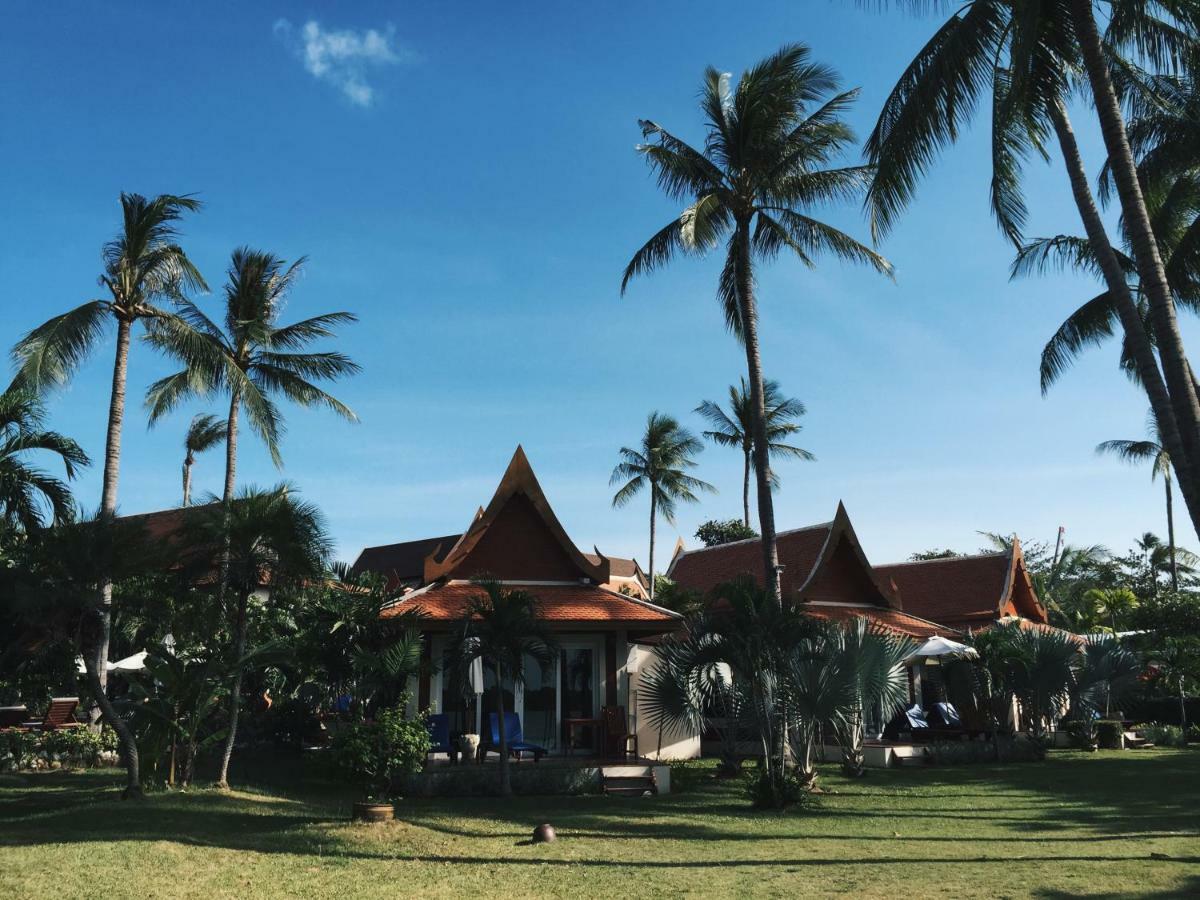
<point>134,663</point>
<point>937,648</point>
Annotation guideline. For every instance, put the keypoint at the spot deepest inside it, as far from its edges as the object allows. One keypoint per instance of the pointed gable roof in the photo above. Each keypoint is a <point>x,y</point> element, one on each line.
<point>968,591</point>
<point>517,536</point>
<point>821,563</point>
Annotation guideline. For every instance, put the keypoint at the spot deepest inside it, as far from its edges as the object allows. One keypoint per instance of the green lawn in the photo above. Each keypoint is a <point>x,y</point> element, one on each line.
<point>1077,824</point>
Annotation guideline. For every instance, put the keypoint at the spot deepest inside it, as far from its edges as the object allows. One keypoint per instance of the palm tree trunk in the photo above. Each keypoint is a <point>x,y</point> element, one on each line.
<point>505,782</point>
<point>90,636</point>
<point>235,700</point>
<point>1171,532</point>
<point>187,478</point>
<point>762,464</point>
<point>1151,271</point>
<point>653,517</point>
<point>235,697</point>
<point>746,488</point>
<point>1139,343</point>
<point>1183,722</point>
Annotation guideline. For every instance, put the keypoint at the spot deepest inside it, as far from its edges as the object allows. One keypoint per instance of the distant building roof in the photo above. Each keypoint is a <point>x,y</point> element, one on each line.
<point>402,563</point>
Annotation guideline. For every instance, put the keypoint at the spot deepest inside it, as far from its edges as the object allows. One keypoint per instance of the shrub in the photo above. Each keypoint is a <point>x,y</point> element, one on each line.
<point>1193,734</point>
<point>80,747</point>
<point>764,795</point>
<point>1163,735</point>
<point>1018,748</point>
<point>687,774</point>
<point>1110,734</point>
<point>374,754</point>
<point>1082,733</point>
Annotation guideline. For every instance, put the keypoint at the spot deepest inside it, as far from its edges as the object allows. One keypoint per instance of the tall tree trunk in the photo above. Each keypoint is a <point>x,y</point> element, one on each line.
<point>1171,531</point>
<point>1114,278</point>
<point>235,700</point>
<point>1183,722</point>
<point>746,487</point>
<point>1152,275</point>
<point>187,477</point>
<point>235,697</point>
<point>762,463</point>
<point>96,654</point>
<point>505,782</point>
<point>653,517</point>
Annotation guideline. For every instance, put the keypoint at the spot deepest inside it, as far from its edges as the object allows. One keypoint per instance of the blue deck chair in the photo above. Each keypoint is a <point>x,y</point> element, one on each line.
<point>516,740</point>
<point>439,733</point>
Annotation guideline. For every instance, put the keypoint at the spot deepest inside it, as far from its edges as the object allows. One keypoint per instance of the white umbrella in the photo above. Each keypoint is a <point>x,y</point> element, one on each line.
<point>938,648</point>
<point>134,663</point>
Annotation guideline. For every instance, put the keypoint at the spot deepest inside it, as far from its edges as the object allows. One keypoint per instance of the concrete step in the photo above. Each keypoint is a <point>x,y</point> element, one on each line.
<point>630,786</point>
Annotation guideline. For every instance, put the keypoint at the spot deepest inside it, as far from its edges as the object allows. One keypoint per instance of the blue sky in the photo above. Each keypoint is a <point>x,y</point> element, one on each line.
<point>463,178</point>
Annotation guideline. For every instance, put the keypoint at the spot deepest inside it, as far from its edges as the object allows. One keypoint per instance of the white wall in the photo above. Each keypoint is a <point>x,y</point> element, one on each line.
<point>675,745</point>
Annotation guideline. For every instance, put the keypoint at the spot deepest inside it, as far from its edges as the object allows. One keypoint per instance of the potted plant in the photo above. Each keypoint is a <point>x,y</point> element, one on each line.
<point>376,754</point>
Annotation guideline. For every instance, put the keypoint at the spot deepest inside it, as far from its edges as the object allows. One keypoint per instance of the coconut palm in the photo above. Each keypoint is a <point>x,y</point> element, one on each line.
<point>502,627</point>
<point>1029,57</point>
<point>873,658</point>
<point>143,266</point>
<point>660,466</point>
<point>1152,451</point>
<point>266,539</point>
<point>204,433</point>
<point>767,161</point>
<point>735,428</point>
<point>26,491</point>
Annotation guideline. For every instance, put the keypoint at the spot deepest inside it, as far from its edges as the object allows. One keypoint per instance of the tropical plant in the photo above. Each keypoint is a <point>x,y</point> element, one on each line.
<point>1113,604</point>
<point>765,164</point>
<point>1108,671</point>
<point>1030,58</point>
<point>501,627</point>
<point>873,657</point>
<point>143,266</point>
<point>267,540</point>
<point>204,433</point>
<point>377,753</point>
<point>715,532</point>
<point>26,491</point>
<point>818,688</point>
<point>660,466</point>
<point>735,428</point>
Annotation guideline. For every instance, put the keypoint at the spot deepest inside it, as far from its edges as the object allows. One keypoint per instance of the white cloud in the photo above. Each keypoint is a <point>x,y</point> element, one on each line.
<point>343,57</point>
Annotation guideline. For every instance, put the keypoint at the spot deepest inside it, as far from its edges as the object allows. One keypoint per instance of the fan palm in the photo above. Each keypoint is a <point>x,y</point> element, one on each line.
<point>660,466</point>
<point>264,539</point>
<point>735,428</point>
<point>1029,57</point>
<point>27,491</point>
<point>766,163</point>
<point>501,627</point>
<point>1113,604</point>
<point>1107,672</point>
<point>143,266</point>
<point>204,433</point>
<point>1152,451</point>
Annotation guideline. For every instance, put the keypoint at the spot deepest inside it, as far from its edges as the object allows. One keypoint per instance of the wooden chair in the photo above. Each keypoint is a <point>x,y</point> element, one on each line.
<point>61,714</point>
<point>12,716</point>
<point>618,740</point>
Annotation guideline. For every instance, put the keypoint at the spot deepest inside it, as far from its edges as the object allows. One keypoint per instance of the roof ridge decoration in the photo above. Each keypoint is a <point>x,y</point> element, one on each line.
<point>1017,563</point>
<point>518,478</point>
<point>840,528</point>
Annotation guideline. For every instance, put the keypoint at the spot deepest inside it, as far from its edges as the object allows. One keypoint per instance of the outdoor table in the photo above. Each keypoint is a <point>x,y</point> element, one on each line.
<point>571,724</point>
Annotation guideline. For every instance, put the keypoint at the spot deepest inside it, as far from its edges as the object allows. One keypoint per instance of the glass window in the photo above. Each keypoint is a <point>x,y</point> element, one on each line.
<point>541,704</point>
<point>579,695</point>
<point>458,699</point>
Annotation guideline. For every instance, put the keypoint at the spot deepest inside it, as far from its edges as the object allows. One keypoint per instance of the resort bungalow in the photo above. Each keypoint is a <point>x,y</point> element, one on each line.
<point>593,604</point>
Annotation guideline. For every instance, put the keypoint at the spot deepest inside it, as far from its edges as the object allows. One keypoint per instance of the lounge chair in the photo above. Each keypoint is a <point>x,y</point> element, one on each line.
<point>439,733</point>
<point>515,739</point>
<point>12,716</point>
<point>61,714</point>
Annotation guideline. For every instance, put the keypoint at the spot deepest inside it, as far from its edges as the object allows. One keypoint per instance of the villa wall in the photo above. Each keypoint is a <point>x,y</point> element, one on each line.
<point>674,745</point>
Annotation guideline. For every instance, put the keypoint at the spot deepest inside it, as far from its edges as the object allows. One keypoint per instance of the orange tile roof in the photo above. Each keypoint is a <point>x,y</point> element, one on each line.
<point>888,618</point>
<point>962,591</point>
<point>703,569</point>
<point>578,603</point>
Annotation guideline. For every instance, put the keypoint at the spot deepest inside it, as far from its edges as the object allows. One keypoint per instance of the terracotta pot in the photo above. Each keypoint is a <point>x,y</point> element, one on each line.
<point>370,811</point>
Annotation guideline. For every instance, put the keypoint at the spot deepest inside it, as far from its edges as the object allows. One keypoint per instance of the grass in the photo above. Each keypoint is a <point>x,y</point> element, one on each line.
<point>1114,824</point>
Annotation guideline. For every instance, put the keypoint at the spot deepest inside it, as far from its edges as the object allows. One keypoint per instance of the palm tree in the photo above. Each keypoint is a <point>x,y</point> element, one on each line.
<point>204,433</point>
<point>1030,57</point>
<point>764,166</point>
<point>250,360</point>
<point>660,465</point>
<point>265,539</point>
<point>27,491</point>
<point>1115,604</point>
<point>143,265</point>
<point>735,428</point>
<point>501,627</point>
<point>1152,451</point>
<point>873,657</point>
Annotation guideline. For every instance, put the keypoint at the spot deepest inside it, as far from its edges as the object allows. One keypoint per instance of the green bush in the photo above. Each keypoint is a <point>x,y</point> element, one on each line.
<point>376,754</point>
<point>1162,735</point>
<point>762,794</point>
<point>1082,733</point>
<point>1018,748</point>
<point>687,774</point>
<point>1110,734</point>
<point>1193,734</point>
<point>78,747</point>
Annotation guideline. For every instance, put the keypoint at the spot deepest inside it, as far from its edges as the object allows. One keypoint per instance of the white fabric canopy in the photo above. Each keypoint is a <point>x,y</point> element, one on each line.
<point>134,663</point>
<point>938,648</point>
